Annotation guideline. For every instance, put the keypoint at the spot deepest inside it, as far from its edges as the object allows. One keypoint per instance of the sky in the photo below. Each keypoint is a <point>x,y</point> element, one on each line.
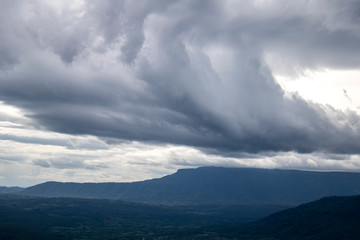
<point>121,91</point>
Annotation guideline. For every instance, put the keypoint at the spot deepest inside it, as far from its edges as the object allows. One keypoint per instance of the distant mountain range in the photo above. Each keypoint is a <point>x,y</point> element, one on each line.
<point>214,185</point>
<point>10,190</point>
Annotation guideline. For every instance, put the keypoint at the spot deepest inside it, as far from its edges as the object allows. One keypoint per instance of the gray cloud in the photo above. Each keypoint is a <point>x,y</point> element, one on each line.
<point>68,164</point>
<point>182,72</point>
<point>91,144</point>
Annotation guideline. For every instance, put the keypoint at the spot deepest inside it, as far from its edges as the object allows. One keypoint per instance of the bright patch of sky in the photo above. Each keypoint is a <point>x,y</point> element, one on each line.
<point>337,88</point>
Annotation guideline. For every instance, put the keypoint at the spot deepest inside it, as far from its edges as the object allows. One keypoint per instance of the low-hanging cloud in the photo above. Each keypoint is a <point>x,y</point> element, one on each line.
<point>68,164</point>
<point>191,73</point>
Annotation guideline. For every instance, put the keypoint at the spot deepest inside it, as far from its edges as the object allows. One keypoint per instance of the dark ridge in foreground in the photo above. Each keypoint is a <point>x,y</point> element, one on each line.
<point>215,185</point>
<point>327,218</point>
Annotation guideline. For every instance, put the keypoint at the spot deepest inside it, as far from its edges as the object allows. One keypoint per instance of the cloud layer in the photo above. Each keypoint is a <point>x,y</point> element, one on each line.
<point>194,73</point>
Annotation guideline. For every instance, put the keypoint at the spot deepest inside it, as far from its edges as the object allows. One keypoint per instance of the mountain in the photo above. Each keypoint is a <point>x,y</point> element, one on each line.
<point>215,185</point>
<point>327,218</point>
<point>9,190</point>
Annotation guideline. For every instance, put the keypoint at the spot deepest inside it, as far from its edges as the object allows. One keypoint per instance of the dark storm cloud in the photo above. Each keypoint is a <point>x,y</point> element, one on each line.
<point>181,72</point>
<point>314,34</point>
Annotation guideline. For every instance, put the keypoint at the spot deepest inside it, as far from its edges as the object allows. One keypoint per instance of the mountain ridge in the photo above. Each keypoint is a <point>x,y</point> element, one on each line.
<point>10,190</point>
<point>215,185</point>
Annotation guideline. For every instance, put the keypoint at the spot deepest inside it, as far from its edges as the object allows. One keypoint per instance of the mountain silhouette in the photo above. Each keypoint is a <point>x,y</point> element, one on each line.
<point>215,185</point>
<point>9,190</point>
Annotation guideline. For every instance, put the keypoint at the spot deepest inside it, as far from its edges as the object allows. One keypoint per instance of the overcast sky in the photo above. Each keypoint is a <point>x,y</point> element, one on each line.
<point>130,90</point>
